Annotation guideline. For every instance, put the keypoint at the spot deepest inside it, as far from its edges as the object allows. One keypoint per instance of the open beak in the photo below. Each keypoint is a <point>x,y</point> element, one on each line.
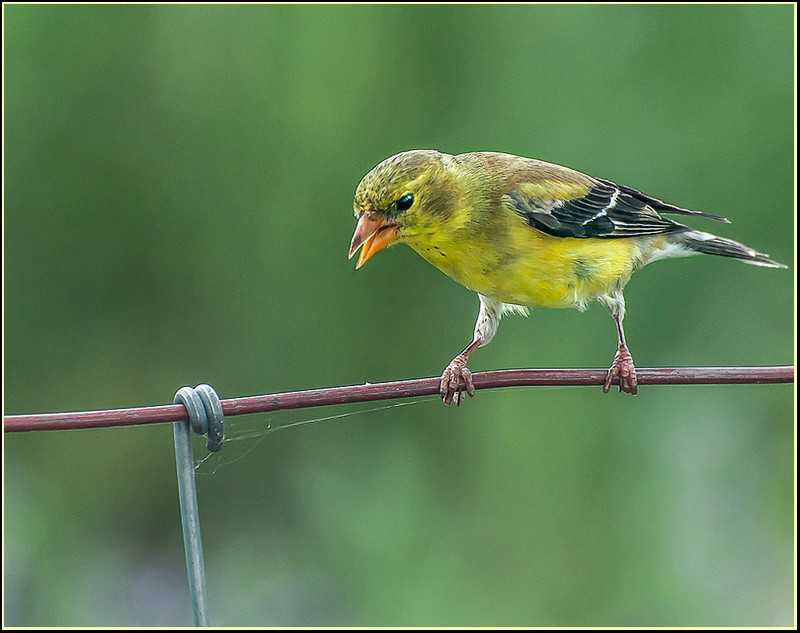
<point>371,236</point>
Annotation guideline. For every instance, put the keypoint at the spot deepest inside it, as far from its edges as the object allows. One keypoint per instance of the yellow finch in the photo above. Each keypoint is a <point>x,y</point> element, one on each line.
<point>522,232</point>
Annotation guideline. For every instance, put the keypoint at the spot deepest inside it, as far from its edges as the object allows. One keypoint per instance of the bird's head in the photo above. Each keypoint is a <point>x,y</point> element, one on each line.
<point>403,197</point>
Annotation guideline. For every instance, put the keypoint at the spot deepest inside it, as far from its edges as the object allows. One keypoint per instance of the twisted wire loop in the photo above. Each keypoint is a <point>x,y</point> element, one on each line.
<point>205,413</point>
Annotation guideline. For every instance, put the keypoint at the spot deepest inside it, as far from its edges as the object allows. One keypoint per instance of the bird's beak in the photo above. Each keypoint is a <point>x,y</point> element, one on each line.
<point>373,235</point>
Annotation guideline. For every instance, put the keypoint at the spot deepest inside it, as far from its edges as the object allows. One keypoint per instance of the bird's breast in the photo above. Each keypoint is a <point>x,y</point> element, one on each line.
<point>524,266</point>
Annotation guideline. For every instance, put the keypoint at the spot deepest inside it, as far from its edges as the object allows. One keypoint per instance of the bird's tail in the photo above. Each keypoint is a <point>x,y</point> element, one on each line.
<point>701,242</point>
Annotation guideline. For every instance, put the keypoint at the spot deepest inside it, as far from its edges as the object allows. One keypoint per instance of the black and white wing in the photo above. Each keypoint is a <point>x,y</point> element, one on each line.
<point>601,210</point>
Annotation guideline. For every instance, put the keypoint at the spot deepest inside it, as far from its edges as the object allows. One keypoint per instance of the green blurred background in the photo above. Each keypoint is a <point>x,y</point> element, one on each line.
<point>178,209</point>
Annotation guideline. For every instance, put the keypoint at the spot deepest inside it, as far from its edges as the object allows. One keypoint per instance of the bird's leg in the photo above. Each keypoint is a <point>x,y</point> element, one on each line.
<point>450,385</point>
<point>622,367</point>
<point>456,372</point>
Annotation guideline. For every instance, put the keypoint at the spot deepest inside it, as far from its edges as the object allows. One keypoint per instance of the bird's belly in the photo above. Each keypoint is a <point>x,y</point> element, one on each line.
<point>552,272</point>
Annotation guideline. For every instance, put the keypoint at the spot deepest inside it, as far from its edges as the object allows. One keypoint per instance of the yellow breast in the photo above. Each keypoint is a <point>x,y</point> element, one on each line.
<point>511,262</point>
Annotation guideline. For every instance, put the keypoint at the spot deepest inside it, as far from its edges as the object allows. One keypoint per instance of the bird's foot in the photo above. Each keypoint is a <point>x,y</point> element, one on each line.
<point>623,369</point>
<point>455,378</point>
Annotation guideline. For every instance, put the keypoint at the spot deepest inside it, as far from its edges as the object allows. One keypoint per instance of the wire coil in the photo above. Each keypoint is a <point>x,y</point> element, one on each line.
<point>205,413</point>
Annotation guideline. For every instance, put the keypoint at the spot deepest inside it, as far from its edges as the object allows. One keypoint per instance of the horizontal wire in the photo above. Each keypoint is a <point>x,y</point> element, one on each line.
<point>398,389</point>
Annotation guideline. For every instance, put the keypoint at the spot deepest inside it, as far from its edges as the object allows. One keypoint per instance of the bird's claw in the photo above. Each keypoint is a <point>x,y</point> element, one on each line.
<point>455,377</point>
<point>623,369</point>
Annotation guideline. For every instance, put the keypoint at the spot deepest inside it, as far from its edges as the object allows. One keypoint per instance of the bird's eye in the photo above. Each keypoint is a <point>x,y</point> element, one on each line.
<point>404,203</point>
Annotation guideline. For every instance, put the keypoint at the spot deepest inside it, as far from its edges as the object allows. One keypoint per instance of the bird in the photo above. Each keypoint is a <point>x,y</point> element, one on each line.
<point>524,233</point>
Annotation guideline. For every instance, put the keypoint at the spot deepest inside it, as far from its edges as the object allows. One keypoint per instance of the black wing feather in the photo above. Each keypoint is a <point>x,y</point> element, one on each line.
<point>607,211</point>
<point>604,212</point>
<point>660,206</point>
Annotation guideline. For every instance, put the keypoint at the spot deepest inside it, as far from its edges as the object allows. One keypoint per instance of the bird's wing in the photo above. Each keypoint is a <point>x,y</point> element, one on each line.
<point>601,210</point>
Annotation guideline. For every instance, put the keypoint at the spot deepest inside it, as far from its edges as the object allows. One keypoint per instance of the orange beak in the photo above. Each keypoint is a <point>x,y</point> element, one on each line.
<point>371,236</point>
